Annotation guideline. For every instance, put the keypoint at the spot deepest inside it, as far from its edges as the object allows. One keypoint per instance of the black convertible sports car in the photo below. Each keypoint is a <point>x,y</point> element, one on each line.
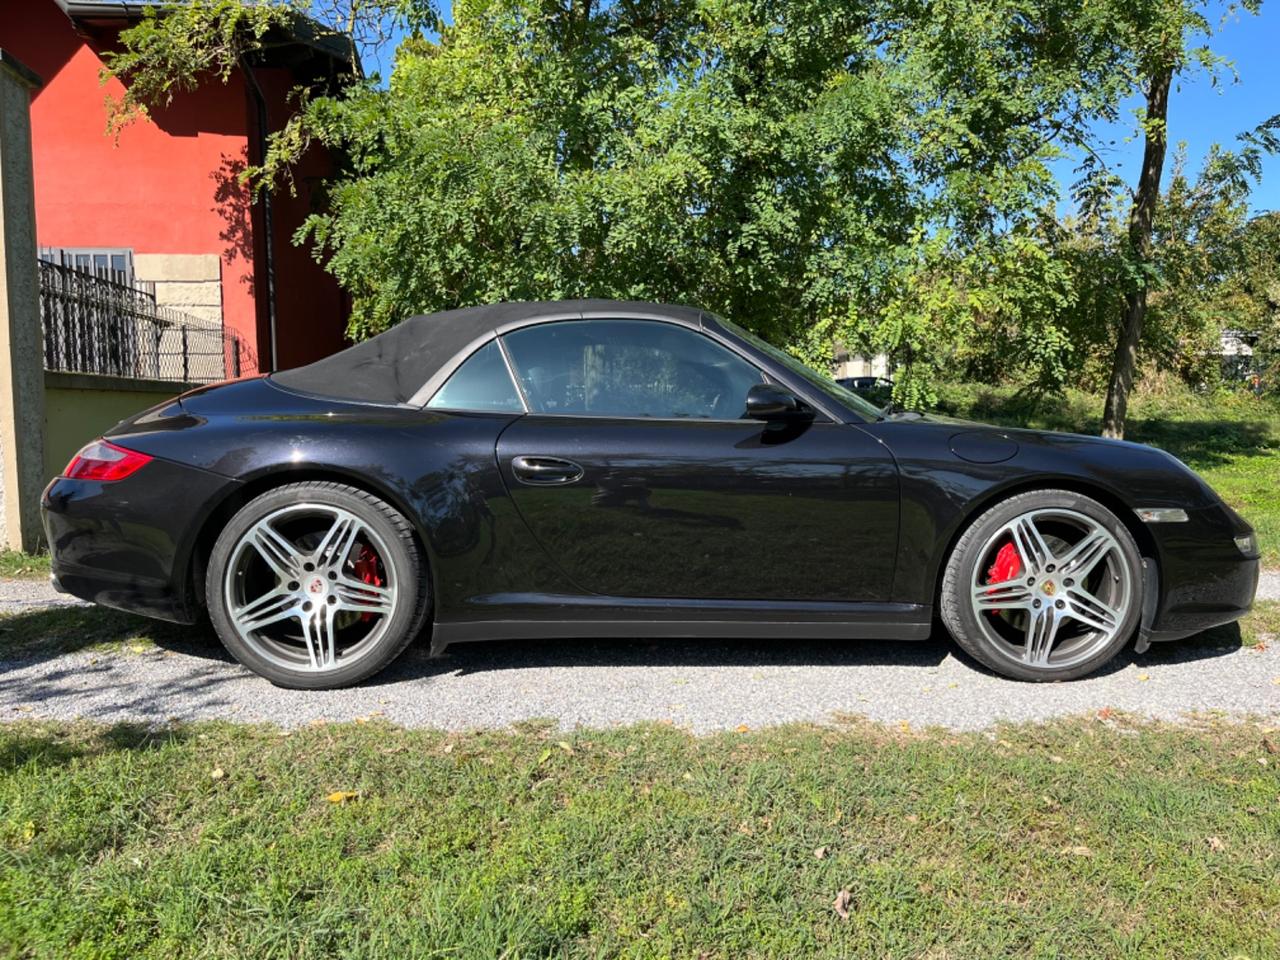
<point>595,468</point>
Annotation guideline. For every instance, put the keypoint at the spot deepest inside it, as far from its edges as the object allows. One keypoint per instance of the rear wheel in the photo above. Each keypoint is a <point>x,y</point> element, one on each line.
<point>316,585</point>
<point>1045,586</point>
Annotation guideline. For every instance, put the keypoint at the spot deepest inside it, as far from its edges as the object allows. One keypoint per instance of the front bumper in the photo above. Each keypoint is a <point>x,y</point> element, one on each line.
<point>1204,579</point>
<point>128,543</point>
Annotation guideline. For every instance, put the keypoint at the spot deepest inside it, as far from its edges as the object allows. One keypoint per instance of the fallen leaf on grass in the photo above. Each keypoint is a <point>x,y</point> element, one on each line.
<point>217,773</point>
<point>564,745</point>
<point>820,853</point>
<point>1105,713</point>
<point>342,796</point>
<point>1054,758</point>
<point>1269,746</point>
<point>1216,844</point>
<point>29,831</point>
<point>843,901</point>
<point>1078,851</point>
<point>742,728</point>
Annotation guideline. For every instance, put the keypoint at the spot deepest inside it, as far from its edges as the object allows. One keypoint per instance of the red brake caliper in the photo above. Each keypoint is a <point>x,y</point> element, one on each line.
<point>365,567</point>
<point>1008,564</point>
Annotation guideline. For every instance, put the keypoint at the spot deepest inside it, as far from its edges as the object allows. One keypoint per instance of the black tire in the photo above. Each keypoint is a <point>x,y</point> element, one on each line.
<point>971,550</point>
<point>410,605</point>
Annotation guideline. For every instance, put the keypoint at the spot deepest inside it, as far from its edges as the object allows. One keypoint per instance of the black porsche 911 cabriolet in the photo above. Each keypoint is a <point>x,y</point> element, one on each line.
<point>599,468</point>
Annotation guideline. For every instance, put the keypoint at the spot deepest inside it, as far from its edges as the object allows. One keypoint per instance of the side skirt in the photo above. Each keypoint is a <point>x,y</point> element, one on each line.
<point>719,620</point>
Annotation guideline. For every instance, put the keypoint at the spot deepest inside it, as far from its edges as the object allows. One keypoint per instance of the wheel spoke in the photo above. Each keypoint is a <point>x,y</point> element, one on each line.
<point>1035,553</point>
<point>338,541</point>
<point>1009,595</point>
<point>1092,612</point>
<point>363,597</point>
<point>1042,630</point>
<point>327,635</point>
<point>271,607</point>
<point>311,637</point>
<point>1084,556</point>
<point>280,554</point>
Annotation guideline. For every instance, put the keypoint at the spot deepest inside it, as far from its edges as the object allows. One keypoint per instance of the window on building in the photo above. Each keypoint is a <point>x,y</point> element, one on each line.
<point>111,263</point>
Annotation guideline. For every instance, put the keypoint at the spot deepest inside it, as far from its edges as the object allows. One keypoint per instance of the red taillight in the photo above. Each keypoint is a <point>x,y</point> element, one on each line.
<point>101,460</point>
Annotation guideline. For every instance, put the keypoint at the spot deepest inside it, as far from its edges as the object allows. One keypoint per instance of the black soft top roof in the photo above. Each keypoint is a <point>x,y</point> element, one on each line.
<point>394,365</point>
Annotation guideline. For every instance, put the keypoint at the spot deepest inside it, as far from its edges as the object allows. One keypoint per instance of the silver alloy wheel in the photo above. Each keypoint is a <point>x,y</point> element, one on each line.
<point>297,564</point>
<point>1070,597</point>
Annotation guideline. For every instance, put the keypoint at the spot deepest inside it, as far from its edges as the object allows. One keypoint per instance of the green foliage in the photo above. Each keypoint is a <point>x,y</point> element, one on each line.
<point>869,171</point>
<point>176,48</point>
<point>1085,838</point>
<point>872,172</point>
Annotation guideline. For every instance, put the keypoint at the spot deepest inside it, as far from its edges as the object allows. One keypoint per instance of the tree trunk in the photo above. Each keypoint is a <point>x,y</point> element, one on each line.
<point>1140,217</point>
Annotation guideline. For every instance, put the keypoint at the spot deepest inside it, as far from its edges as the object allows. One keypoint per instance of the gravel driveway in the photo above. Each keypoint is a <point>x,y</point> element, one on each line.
<point>702,685</point>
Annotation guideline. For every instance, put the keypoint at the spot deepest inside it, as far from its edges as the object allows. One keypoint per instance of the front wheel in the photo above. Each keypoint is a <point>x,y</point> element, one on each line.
<point>1044,586</point>
<point>316,585</point>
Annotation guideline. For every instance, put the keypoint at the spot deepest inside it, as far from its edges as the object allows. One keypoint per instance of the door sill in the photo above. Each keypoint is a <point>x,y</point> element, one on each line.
<point>620,618</point>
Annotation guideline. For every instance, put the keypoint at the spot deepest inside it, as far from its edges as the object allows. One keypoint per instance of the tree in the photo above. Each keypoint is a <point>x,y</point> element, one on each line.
<point>1162,35</point>
<point>869,170</point>
<point>814,169</point>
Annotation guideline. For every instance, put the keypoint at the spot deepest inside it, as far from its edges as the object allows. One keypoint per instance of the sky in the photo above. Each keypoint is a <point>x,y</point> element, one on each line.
<point>1201,112</point>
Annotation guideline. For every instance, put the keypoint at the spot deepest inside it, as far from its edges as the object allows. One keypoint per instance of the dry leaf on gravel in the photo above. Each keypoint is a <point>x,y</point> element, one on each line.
<point>843,901</point>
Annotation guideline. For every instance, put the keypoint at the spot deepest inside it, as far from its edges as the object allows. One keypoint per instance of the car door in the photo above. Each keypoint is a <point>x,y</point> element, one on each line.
<point>637,472</point>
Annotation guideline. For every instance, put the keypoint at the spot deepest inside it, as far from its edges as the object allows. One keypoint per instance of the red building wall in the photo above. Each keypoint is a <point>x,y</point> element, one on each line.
<point>168,186</point>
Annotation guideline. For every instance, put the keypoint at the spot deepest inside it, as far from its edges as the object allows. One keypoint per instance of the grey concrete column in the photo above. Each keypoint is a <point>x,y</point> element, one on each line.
<point>21,344</point>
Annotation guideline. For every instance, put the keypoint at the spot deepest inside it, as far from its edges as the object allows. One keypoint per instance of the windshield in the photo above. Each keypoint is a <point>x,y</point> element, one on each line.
<point>822,383</point>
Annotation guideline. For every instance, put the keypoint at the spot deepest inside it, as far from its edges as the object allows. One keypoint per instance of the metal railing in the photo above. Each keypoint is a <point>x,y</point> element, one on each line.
<point>96,324</point>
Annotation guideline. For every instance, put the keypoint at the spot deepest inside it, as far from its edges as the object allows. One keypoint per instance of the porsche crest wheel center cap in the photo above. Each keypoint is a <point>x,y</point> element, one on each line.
<point>316,585</point>
<point>1049,588</point>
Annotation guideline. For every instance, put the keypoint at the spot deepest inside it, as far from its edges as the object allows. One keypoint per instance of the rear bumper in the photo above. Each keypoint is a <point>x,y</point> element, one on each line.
<point>128,544</point>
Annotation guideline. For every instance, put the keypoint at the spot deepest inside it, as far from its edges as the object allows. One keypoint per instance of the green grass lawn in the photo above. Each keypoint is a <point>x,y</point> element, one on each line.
<point>24,565</point>
<point>1230,439</point>
<point>1087,838</point>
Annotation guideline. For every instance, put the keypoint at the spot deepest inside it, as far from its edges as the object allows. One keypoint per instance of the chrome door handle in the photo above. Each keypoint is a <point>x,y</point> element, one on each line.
<point>545,471</point>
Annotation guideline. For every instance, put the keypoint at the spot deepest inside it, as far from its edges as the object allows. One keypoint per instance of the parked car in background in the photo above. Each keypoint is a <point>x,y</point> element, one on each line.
<point>877,390</point>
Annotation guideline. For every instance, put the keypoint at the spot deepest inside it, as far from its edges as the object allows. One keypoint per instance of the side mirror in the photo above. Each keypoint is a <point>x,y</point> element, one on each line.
<point>770,402</point>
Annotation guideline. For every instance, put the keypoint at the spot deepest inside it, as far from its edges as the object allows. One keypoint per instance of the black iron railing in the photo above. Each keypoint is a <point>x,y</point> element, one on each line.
<point>95,324</point>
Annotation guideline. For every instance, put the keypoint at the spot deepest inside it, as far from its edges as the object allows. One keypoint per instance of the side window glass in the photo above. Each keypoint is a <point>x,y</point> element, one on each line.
<point>629,368</point>
<point>482,383</point>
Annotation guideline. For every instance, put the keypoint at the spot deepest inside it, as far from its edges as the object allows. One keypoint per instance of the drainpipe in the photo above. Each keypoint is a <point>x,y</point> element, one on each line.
<point>260,109</point>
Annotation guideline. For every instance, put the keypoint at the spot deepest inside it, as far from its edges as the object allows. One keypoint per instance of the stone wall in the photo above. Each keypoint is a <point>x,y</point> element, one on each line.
<point>190,282</point>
